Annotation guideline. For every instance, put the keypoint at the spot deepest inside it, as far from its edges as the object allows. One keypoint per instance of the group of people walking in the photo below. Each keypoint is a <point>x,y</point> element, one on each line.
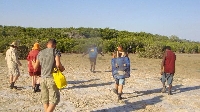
<point>42,62</point>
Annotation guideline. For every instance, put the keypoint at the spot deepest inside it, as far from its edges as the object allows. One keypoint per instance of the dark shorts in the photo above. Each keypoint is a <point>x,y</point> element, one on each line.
<point>167,77</point>
<point>37,73</point>
<point>93,61</point>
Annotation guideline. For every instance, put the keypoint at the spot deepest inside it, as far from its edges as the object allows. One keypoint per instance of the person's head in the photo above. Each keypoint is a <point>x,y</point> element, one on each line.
<point>166,48</point>
<point>36,46</point>
<point>51,43</point>
<point>14,45</point>
<point>119,48</point>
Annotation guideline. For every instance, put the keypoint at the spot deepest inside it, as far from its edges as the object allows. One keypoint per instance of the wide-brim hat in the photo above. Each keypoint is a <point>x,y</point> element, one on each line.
<point>14,44</point>
<point>36,46</point>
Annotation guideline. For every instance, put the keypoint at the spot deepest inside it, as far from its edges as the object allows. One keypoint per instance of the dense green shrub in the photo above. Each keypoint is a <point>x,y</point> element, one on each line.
<point>154,50</point>
<point>77,40</point>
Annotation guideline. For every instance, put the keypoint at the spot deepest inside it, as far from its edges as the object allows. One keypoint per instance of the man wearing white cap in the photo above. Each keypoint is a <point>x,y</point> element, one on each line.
<point>13,63</point>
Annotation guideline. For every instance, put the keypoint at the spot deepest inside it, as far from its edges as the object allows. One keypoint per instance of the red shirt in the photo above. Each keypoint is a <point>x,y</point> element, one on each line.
<point>32,56</point>
<point>169,62</point>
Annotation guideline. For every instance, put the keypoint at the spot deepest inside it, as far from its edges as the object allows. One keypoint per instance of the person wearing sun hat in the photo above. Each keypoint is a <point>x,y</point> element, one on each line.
<point>13,63</point>
<point>34,73</point>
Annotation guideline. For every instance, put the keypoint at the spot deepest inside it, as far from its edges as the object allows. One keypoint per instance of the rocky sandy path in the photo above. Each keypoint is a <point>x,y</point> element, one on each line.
<point>92,92</point>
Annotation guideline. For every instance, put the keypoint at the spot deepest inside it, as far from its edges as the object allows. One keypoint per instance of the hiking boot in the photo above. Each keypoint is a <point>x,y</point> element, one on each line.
<point>170,93</point>
<point>119,97</point>
<point>12,85</point>
<point>163,89</point>
<point>38,90</point>
<point>115,91</point>
<point>34,89</point>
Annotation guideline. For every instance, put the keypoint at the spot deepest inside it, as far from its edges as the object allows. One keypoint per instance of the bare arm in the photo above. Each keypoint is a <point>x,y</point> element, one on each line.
<point>162,63</point>
<point>58,64</point>
<point>101,53</point>
<point>35,64</point>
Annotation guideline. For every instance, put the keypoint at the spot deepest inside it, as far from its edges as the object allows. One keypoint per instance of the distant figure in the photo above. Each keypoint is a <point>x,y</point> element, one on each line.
<point>13,63</point>
<point>34,73</point>
<point>120,71</point>
<point>49,59</point>
<point>93,52</point>
<point>168,69</point>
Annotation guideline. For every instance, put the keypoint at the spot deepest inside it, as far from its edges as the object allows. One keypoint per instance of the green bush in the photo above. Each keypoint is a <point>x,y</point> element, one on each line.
<point>77,40</point>
<point>152,51</point>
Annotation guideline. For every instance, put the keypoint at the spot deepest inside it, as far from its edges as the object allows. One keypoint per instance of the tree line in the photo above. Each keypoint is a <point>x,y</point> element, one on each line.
<point>77,40</point>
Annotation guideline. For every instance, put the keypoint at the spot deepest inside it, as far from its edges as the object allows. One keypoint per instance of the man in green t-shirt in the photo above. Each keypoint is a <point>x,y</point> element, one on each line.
<point>49,59</point>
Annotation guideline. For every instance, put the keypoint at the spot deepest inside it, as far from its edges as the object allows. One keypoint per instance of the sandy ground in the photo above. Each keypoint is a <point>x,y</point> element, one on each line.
<point>92,92</point>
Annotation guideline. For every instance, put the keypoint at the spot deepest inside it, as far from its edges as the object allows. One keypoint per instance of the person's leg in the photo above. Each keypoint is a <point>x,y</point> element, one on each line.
<point>15,78</point>
<point>115,90</point>
<point>34,85</point>
<point>16,73</point>
<point>91,64</point>
<point>11,82</point>
<point>54,95</point>
<point>37,82</point>
<point>170,89</point>
<point>33,81</point>
<point>93,67</point>
<point>11,79</point>
<point>120,88</point>
<point>163,80</point>
<point>46,105</point>
<point>51,108</point>
<point>44,94</point>
<point>94,64</point>
<point>169,81</point>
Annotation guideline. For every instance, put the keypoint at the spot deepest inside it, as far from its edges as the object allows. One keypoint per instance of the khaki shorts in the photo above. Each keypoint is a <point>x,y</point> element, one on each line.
<point>13,71</point>
<point>49,91</point>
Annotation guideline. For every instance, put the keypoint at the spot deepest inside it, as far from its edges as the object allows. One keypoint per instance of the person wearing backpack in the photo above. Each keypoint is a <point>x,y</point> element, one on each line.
<point>93,52</point>
<point>120,71</point>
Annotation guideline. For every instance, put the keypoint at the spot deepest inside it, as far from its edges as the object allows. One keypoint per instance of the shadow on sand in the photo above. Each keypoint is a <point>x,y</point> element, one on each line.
<point>175,90</point>
<point>90,85</point>
<point>133,106</point>
<point>80,84</point>
<point>185,89</point>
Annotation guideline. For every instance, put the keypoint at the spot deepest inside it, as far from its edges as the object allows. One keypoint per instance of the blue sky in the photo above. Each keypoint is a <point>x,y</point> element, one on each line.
<point>164,17</point>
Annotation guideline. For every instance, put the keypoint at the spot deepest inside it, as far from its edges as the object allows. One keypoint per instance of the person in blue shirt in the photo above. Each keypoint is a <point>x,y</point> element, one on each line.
<point>93,52</point>
<point>120,71</point>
